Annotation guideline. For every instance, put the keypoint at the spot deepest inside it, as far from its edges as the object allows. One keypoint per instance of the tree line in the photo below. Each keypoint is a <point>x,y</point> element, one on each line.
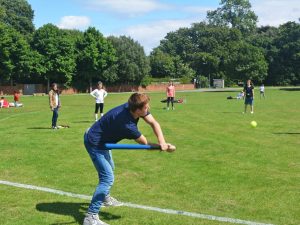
<point>228,45</point>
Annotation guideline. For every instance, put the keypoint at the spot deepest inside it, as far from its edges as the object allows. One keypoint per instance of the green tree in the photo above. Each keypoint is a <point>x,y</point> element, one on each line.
<point>95,56</point>
<point>15,55</point>
<point>58,54</point>
<point>235,14</point>
<point>132,63</point>
<point>285,68</point>
<point>246,62</point>
<point>17,14</point>
<point>162,64</point>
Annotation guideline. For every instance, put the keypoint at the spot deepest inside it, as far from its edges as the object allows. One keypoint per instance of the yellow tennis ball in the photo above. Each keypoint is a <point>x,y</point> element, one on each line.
<point>253,124</point>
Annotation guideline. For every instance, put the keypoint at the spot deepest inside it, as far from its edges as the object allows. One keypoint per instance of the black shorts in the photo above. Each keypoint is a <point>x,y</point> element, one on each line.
<point>170,99</point>
<point>97,106</point>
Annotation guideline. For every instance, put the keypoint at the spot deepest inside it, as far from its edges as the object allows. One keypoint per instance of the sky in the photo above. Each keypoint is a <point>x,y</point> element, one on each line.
<point>148,21</point>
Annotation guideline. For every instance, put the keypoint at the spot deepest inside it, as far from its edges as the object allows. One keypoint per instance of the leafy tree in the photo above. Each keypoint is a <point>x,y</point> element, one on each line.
<point>96,55</point>
<point>235,14</point>
<point>285,68</point>
<point>15,54</point>
<point>246,62</point>
<point>264,38</point>
<point>17,14</point>
<point>162,64</point>
<point>215,52</point>
<point>57,50</point>
<point>132,64</point>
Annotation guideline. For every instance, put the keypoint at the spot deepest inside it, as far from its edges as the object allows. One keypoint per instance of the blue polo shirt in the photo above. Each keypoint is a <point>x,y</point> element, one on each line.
<point>115,125</point>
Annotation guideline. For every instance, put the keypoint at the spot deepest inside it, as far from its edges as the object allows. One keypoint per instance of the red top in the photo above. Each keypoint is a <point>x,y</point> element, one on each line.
<point>171,91</point>
<point>5,103</point>
<point>16,97</point>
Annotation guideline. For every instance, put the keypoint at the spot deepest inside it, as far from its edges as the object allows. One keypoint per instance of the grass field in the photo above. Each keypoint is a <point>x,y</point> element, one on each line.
<point>222,166</point>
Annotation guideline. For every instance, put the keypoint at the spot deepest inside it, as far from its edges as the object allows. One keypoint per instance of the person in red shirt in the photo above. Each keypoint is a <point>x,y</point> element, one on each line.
<point>4,103</point>
<point>16,98</point>
<point>170,91</point>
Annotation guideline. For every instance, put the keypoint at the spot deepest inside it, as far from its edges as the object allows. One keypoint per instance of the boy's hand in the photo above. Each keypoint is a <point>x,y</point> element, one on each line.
<point>167,147</point>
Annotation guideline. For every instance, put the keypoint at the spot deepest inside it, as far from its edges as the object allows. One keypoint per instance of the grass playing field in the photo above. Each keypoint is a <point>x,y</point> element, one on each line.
<point>222,166</point>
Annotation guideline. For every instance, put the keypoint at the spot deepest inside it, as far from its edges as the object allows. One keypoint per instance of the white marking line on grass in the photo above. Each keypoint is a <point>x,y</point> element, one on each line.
<point>167,211</point>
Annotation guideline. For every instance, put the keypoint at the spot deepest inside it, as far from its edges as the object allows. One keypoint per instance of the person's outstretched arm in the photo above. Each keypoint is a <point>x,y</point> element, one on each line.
<point>149,119</point>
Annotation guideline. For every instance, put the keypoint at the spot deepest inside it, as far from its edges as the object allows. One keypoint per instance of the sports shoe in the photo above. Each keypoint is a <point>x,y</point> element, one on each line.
<point>110,201</point>
<point>252,112</point>
<point>93,219</point>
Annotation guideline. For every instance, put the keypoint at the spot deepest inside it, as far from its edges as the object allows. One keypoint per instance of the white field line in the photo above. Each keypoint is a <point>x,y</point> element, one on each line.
<point>167,211</point>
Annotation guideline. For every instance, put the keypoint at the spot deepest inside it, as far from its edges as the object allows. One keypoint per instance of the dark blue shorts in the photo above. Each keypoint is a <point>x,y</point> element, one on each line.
<point>248,101</point>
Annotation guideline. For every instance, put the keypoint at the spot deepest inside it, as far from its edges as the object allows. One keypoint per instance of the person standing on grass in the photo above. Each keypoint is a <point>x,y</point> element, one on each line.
<point>54,102</point>
<point>16,98</point>
<point>117,124</point>
<point>170,91</point>
<point>99,94</point>
<point>249,95</point>
<point>262,91</point>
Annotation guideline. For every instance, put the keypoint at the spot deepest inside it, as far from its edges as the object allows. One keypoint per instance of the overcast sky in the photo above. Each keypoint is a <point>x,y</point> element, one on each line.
<point>148,21</point>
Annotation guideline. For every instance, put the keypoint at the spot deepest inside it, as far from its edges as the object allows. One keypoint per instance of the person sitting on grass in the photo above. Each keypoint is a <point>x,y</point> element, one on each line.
<point>117,124</point>
<point>4,103</point>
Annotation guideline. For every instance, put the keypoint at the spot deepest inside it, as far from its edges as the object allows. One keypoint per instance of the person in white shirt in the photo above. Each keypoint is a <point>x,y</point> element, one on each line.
<point>262,91</point>
<point>99,94</point>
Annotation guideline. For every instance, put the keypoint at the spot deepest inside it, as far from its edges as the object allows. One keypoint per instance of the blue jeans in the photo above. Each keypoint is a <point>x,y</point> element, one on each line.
<point>104,165</point>
<point>54,117</point>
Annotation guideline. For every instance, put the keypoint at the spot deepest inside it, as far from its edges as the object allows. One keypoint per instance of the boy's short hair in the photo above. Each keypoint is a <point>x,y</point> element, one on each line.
<point>137,101</point>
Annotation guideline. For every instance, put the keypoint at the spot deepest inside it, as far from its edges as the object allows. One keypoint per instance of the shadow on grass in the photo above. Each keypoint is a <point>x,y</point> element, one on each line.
<point>222,91</point>
<point>290,89</point>
<point>232,112</point>
<point>84,121</point>
<point>39,128</point>
<point>293,133</point>
<point>76,210</point>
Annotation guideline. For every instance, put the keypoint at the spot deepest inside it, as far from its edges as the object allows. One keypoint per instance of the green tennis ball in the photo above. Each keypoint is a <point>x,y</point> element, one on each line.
<point>253,124</point>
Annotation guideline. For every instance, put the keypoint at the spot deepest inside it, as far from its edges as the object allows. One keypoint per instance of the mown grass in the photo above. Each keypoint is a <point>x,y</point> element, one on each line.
<point>222,166</point>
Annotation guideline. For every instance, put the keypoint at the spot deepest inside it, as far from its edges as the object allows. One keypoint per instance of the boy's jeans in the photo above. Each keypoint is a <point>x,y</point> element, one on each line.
<point>104,165</point>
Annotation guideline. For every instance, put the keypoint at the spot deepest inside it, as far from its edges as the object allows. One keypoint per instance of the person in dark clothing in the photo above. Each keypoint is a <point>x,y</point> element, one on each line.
<point>117,124</point>
<point>249,95</point>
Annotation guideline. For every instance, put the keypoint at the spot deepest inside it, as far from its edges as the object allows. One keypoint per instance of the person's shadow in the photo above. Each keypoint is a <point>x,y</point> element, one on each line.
<point>76,210</point>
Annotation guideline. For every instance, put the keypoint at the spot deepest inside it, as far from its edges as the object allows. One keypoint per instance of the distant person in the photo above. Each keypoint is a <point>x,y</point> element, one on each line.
<point>17,99</point>
<point>262,91</point>
<point>54,102</point>
<point>170,91</point>
<point>99,94</point>
<point>249,95</point>
<point>4,103</point>
<point>240,95</point>
<point>117,124</point>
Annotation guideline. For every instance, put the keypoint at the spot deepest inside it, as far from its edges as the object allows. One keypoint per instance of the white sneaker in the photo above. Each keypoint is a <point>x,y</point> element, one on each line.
<point>252,112</point>
<point>93,219</point>
<point>110,201</point>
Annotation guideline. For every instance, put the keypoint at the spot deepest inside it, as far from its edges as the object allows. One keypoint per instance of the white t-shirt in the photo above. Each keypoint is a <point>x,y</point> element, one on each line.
<point>99,95</point>
<point>262,89</point>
